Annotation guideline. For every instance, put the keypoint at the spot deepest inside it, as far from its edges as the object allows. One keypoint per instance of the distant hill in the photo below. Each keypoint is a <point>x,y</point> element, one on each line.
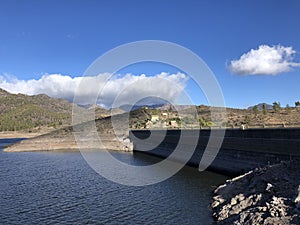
<point>128,107</point>
<point>20,112</point>
<point>162,106</point>
<point>101,112</point>
<point>23,112</point>
<point>178,107</point>
<point>149,102</point>
<point>260,106</point>
<point>235,117</point>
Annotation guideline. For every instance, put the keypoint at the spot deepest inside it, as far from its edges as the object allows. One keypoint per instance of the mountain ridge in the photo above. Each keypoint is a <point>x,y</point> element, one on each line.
<point>28,113</point>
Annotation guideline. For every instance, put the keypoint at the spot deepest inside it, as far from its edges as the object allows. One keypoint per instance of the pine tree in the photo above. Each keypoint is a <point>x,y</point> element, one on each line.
<point>255,110</point>
<point>276,106</point>
<point>265,112</point>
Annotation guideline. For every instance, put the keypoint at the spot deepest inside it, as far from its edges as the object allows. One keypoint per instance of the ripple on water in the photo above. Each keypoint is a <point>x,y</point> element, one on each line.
<point>56,188</point>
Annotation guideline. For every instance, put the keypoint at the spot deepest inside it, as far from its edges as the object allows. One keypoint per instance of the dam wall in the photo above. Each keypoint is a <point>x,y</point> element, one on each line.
<point>241,150</point>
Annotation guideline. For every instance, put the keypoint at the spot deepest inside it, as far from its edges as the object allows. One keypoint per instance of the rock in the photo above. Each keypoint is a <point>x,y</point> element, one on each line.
<point>68,143</point>
<point>269,195</point>
<point>269,186</point>
<point>297,198</point>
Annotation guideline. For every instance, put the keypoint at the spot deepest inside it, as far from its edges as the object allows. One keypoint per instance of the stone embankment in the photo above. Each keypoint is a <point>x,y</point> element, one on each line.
<point>269,195</point>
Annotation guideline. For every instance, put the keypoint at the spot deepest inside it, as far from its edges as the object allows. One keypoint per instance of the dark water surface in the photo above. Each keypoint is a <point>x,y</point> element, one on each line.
<point>60,188</point>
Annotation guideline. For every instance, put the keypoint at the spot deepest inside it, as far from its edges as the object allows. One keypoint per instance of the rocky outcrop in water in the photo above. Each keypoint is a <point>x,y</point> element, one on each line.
<point>269,195</point>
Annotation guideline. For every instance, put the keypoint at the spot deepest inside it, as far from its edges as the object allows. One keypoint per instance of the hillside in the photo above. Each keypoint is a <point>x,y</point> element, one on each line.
<point>30,113</point>
<point>288,117</point>
<point>112,137</point>
<point>21,112</point>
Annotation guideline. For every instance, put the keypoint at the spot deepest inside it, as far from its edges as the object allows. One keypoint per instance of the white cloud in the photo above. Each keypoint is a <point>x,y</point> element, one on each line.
<point>124,88</point>
<point>266,60</point>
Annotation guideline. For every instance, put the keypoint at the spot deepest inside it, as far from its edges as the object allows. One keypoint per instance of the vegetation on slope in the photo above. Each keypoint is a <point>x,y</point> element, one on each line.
<point>22,112</point>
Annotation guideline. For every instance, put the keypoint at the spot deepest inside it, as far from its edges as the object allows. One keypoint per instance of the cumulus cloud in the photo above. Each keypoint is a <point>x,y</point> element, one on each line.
<point>103,87</point>
<point>266,60</point>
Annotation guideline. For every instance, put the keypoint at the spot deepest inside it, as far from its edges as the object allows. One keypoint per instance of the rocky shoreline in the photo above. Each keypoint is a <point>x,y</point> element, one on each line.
<point>114,138</point>
<point>269,195</point>
<point>25,134</point>
<point>69,144</point>
<point>64,140</point>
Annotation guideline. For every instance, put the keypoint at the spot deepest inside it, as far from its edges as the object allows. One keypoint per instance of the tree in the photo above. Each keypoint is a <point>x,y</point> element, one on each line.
<point>288,109</point>
<point>255,109</point>
<point>276,106</point>
<point>297,103</point>
<point>247,119</point>
<point>264,109</point>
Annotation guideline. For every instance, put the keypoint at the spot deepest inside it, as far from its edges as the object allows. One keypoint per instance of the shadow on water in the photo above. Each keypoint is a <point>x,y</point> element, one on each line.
<point>7,141</point>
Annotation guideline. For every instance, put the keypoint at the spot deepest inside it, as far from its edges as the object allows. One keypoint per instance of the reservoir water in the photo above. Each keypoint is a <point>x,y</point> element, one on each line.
<point>61,188</point>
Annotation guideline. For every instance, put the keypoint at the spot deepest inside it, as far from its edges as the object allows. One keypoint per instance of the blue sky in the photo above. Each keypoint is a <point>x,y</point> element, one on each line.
<point>65,37</point>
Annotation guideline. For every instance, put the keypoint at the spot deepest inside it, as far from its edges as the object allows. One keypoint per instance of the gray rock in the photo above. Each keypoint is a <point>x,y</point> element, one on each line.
<point>269,195</point>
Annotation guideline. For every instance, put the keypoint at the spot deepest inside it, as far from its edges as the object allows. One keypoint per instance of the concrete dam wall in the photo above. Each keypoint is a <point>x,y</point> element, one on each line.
<point>241,150</point>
